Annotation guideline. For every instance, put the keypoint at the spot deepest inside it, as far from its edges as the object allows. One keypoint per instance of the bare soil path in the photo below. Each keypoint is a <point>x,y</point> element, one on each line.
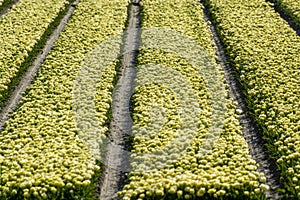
<point>117,158</point>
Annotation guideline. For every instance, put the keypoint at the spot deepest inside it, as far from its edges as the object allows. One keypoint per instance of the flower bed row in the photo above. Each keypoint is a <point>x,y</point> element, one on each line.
<point>43,152</point>
<point>291,8</point>
<point>23,32</point>
<point>173,153</point>
<point>265,53</point>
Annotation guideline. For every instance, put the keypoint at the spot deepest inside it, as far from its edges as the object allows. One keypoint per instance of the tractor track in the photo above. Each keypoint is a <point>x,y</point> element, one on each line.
<point>29,75</point>
<point>117,158</point>
<point>250,129</point>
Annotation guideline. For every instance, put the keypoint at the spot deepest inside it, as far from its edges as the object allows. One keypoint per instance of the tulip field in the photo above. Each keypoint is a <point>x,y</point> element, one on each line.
<point>187,137</point>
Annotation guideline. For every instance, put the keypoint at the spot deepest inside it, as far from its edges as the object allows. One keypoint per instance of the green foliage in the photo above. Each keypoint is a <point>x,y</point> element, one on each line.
<point>4,4</point>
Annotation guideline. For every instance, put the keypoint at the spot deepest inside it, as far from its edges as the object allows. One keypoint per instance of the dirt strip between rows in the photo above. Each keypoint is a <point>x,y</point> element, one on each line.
<point>250,130</point>
<point>30,73</point>
<point>117,158</point>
